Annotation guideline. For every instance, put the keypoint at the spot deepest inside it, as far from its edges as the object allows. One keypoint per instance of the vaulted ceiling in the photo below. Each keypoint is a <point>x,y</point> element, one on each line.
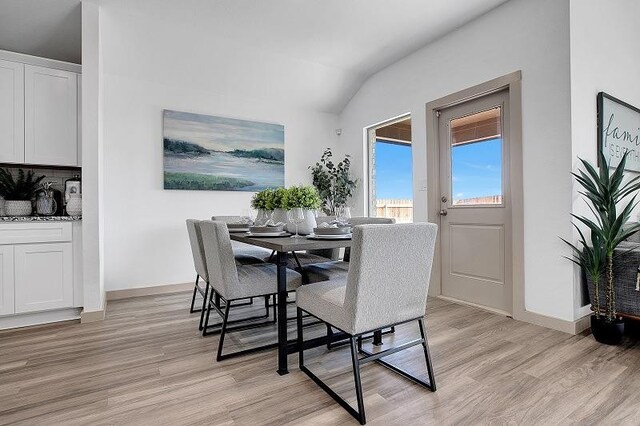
<point>349,40</point>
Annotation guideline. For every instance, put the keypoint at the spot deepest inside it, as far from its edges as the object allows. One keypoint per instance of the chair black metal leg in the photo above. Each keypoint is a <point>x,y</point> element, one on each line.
<point>205,307</point>
<point>266,306</point>
<point>377,337</point>
<point>300,338</point>
<point>193,298</point>
<point>329,336</point>
<point>206,318</point>
<point>356,378</point>
<point>427,354</point>
<point>223,330</point>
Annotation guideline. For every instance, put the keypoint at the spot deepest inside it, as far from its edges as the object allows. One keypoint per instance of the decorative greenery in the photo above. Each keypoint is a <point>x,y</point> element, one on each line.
<point>279,200</point>
<point>263,200</point>
<point>23,189</point>
<point>333,182</point>
<point>303,196</point>
<point>195,181</point>
<point>603,190</point>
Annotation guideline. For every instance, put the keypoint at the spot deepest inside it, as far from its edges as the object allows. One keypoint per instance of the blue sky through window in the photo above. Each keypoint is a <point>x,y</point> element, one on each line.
<point>476,169</point>
<point>394,176</point>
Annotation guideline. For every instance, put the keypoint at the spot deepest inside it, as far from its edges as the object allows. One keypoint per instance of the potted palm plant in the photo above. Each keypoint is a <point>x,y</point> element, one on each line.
<point>603,191</point>
<point>18,194</point>
<point>333,181</point>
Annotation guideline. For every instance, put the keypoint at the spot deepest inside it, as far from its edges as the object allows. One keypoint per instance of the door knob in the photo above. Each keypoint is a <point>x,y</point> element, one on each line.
<point>443,212</point>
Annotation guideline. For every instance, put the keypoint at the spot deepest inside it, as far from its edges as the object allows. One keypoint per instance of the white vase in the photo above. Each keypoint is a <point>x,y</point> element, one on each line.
<point>305,227</point>
<point>17,207</point>
<point>280,215</point>
<point>74,205</point>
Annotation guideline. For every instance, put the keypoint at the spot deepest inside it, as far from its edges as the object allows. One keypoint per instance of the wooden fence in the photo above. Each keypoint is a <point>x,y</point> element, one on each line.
<point>401,210</point>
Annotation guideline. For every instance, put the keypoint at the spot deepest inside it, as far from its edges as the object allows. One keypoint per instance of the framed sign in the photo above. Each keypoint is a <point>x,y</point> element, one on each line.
<point>618,131</point>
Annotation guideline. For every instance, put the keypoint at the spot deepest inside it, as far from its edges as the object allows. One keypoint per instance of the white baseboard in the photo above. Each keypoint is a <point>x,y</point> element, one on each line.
<point>148,291</point>
<point>571,327</point>
<point>39,318</point>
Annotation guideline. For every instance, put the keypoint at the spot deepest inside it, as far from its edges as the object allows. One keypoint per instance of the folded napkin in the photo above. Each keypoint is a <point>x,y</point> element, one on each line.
<point>328,225</point>
<point>272,223</point>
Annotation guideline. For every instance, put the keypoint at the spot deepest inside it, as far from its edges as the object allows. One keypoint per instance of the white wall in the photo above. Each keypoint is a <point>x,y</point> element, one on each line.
<point>527,35</point>
<point>604,58</point>
<point>149,66</point>
<point>92,143</point>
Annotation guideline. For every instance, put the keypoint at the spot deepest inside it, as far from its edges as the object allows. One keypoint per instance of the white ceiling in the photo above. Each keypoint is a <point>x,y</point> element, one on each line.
<point>47,28</point>
<point>350,38</point>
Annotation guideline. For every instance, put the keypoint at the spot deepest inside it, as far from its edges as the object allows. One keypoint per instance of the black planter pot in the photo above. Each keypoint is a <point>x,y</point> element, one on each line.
<point>609,333</point>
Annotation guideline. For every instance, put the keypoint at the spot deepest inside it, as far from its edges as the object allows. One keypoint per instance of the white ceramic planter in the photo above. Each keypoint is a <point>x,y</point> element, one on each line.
<point>17,208</point>
<point>305,227</point>
<point>280,215</point>
<point>74,205</point>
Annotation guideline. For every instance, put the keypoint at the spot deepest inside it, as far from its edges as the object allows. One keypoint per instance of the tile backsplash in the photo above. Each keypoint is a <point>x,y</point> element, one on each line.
<point>56,175</point>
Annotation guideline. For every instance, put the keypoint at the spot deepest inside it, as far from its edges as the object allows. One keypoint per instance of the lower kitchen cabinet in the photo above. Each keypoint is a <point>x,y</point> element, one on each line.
<point>43,276</point>
<point>6,280</point>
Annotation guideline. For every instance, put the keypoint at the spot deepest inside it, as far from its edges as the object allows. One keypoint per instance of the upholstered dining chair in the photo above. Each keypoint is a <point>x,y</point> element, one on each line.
<point>197,251</point>
<point>386,285</point>
<point>245,254</point>
<point>234,282</point>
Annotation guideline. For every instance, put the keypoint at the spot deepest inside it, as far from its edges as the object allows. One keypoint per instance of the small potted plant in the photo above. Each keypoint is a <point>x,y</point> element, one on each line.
<point>603,191</point>
<point>302,201</point>
<point>263,202</point>
<point>279,204</point>
<point>333,181</point>
<point>19,194</point>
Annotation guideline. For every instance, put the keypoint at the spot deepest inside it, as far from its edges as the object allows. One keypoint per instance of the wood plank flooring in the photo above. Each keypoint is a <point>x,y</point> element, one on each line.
<point>146,364</point>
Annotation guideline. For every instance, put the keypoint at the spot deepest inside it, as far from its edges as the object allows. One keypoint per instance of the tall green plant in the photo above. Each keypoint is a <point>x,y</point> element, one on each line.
<point>23,189</point>
<point>333,181</point>
<point>603,191</point>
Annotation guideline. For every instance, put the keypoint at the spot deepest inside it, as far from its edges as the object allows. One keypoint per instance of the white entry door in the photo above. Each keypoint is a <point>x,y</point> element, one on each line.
<point>475,215</point>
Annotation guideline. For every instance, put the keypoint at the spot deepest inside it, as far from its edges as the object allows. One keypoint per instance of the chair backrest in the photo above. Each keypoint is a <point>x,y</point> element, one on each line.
<point>365,220</point>
<point>197,249</point>
<point>389,274</point>
<point>221,265</point>
<point>227,219</point>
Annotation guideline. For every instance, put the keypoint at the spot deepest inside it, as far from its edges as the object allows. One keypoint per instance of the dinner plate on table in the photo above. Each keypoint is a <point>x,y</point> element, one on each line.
<point>246,229</point>
<point>329,237</point>
<point>268,234</point>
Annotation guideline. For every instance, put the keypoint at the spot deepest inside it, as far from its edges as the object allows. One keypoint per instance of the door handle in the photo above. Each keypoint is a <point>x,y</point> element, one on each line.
<point>443,212</point>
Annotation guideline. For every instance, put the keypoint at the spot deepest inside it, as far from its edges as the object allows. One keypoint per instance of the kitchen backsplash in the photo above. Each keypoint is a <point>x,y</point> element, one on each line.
<point>57,176</point>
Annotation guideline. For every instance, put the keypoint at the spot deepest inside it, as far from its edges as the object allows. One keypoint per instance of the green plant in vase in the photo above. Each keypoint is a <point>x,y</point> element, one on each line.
<point>333,181</point>
<point>603,191</point>
<point>18,194</point>
<point>301,203</point>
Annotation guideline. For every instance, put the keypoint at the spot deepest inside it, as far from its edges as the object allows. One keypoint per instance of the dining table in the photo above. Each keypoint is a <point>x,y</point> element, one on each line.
<point>283,246</point>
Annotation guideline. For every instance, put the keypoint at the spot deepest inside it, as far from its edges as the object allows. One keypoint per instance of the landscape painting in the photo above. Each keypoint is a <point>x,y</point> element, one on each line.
<point>203,152</point>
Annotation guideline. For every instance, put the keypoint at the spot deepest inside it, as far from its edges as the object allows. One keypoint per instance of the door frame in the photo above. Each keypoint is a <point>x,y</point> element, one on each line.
<point>370,138</point>
<point>513,84</point>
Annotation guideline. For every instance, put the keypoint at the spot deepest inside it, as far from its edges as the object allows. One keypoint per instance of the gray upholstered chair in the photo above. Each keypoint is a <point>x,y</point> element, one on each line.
<point>233,282</point>
<point>197,250</point>
<point>245,254</point>
<point>365,220</point>
<point>386,285</point>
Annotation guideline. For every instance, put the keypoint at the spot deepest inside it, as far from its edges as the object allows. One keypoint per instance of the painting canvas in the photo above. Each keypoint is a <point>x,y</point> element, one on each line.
<point>203,152</point>
<point>618,131</point>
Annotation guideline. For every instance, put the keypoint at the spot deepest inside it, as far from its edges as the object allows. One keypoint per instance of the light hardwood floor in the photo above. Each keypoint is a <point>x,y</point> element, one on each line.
<point>146,364</point>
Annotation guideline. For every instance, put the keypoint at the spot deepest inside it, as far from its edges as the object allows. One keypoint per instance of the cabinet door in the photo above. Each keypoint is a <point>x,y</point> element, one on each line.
<point>51,116</point>
<point>11,112</point>
<point>6,280</point>
<point>43,276</point>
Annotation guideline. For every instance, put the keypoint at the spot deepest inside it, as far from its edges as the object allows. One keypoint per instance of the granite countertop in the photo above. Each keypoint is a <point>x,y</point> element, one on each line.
<point>40,218</point>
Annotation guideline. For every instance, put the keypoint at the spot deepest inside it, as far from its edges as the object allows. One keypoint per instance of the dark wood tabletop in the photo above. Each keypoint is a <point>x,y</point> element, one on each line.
<point>288,244</point>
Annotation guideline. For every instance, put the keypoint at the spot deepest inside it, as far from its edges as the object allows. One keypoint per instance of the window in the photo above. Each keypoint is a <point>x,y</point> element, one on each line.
<point>390,173</point>
<point>476,159</point>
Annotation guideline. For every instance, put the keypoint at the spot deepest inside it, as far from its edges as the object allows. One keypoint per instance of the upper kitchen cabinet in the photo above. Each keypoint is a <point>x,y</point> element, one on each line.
<point>11,112</point>
<point>51,116</point>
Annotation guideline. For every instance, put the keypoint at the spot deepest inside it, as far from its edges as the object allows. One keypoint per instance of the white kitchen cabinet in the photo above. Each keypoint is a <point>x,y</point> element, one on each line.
<point>43,276</point>
<point>11,112</point>
<point>51,116</point>
<point>6,280</point>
